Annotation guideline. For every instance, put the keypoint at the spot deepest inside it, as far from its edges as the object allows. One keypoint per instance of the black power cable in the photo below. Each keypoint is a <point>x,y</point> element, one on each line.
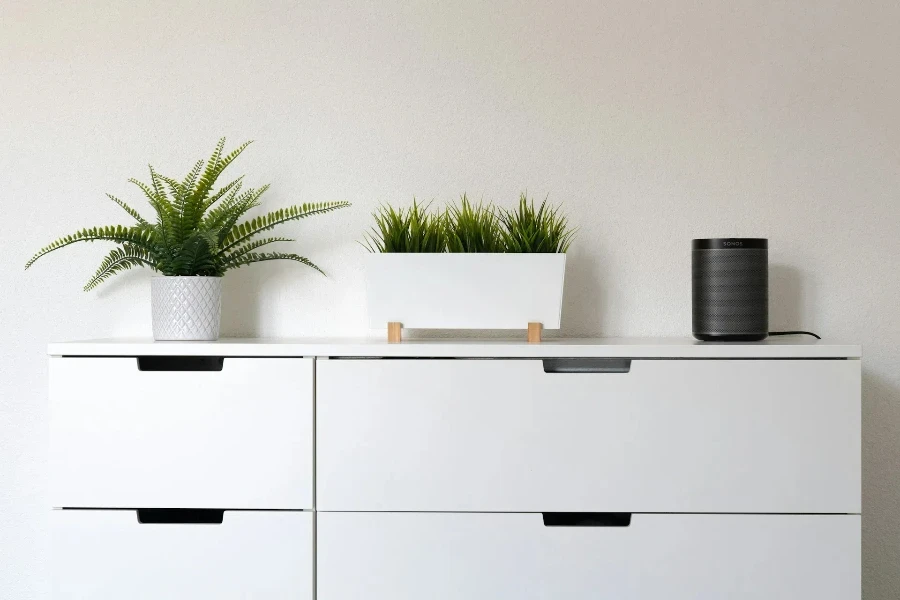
<point>795,333</point>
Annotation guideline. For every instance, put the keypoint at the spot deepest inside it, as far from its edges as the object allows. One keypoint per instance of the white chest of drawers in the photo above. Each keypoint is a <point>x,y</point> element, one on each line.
<point>455,470</point>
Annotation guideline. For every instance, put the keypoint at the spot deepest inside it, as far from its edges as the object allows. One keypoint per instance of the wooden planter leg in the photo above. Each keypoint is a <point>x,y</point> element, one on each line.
<point>395,332</point>
<point>534,333</point>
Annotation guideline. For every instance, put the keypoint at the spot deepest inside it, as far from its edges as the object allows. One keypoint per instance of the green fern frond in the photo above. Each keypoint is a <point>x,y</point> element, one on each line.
<point>191,179</point>
<point>120,259</point>
<point>157,186</point>
<point>151,195</point>
<point>211,238</point>
<point>251,228</point>
<point>134,214</point>
<point>247,201</point>
<point>212,170</point>
<point>214,167</point>
<point>192,205</point>
<point>215,197</point>
<point>191,236</point>
<point>223,163</point>
<point>138,236</point>
<point>255,257</point>
<point>199,255</point>
<point>251,246</point>
<point>164,210</point>
<point>216,216</point>
<point>175,188</point>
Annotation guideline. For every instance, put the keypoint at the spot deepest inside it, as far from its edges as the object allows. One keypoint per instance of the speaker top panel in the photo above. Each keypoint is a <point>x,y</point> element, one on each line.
<point>729,243</point>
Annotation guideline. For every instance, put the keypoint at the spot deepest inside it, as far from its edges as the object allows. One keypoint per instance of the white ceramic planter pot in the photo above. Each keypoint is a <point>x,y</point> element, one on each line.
<point>186,308</point>
<point>465,291</point>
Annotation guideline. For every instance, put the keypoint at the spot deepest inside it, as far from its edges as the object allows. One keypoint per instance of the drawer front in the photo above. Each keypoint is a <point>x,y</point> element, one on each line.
<point>240,437</point>
<point>110,555</point>
<point>443,556</point>
<point>710,436</point>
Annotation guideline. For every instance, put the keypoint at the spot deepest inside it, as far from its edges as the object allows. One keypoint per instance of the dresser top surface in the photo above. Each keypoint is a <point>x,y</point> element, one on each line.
<point>780,347</point>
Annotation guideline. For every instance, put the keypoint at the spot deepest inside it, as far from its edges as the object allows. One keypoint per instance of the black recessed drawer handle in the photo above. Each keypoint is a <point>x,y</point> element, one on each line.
<point>180,363</point>
<point>587,365</point>
<point>589,519</point>
<point>168,516</point>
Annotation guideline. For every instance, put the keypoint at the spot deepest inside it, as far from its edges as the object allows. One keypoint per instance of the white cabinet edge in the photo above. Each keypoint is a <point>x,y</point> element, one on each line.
<point>674,348</point>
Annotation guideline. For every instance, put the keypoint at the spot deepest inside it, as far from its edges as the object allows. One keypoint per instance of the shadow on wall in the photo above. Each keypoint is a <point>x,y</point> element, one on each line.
<point>240,302</point>
<point>789,304</point>
<point>880,460</point>
<point>787,301</point>
<point>584,297</point>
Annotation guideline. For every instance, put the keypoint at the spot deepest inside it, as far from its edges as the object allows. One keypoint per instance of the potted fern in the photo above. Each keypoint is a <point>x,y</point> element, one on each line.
<point>471,266</point>
<point>198,235</point>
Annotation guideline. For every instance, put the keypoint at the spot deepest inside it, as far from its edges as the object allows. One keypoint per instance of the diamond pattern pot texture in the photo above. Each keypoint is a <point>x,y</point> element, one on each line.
<point>186,308</point>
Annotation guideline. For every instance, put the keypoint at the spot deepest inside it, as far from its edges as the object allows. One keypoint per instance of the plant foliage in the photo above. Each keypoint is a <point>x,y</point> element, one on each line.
<point>197,231</point>
<point>465,227</point>
<point>472,228</point>
<point>528,230</point>
<point>410,230</point>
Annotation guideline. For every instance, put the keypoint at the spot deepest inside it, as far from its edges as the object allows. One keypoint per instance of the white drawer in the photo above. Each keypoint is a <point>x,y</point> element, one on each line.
<point>441,556</point>
<point>110,555</point>
<point>717,436</point>
<point>240,437</point>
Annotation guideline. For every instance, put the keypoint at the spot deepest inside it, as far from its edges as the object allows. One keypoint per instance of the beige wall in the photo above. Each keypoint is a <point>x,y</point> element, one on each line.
<point>652,123</point>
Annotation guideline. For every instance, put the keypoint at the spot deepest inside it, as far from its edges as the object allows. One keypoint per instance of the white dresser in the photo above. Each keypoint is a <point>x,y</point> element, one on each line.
<point>439,470</point>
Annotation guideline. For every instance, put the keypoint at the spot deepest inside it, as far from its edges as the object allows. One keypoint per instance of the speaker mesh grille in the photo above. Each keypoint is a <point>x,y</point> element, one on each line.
<point>730,291</point>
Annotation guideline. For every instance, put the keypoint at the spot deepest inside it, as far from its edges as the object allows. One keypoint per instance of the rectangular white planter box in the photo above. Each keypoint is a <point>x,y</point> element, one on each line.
<point>465,291</point>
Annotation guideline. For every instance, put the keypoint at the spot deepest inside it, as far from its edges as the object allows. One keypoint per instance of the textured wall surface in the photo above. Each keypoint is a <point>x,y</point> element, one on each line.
<point>652,124</point>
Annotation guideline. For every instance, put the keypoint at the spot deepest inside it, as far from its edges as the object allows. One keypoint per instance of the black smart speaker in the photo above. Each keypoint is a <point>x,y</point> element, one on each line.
<point>730,289</point>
